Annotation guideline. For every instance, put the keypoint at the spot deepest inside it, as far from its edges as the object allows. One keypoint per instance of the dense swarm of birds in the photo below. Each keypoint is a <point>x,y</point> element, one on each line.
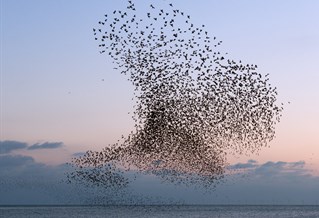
<point>193,104</point>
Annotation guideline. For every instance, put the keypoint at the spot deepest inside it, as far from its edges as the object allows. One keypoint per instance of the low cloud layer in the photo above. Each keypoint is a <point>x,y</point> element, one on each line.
<point>25,181</point>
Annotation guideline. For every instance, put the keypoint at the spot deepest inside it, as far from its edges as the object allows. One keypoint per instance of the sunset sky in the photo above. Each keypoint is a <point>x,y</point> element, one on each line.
<point>59,96</point>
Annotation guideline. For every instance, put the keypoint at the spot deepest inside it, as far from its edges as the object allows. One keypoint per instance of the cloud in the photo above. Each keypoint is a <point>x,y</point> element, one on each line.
<point>282,169</point>
<point>269,183</point>
<point>25,181</point>
<point>250,183</point>
<point>7,161</point>
<point>239,166</point>
<point>8,146</point>
<point>46,145</point>
<point>78,154</point>
<point>272,168</point>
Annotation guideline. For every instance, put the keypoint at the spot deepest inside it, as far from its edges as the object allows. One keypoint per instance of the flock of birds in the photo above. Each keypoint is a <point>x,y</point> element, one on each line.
<point>193,104</point>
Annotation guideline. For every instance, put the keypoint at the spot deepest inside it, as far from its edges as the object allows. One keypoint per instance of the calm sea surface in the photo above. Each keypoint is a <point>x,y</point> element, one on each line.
<point>160,211</point>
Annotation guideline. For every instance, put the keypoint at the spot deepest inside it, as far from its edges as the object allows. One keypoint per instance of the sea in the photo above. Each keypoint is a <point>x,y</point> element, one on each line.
<point>140,211</point>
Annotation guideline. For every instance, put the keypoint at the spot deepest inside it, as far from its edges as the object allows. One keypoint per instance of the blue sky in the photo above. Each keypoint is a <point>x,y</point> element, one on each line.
<point>54,102</point>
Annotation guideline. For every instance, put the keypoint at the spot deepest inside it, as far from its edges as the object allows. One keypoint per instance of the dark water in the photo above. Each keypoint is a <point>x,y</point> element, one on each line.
<point>159,211</point>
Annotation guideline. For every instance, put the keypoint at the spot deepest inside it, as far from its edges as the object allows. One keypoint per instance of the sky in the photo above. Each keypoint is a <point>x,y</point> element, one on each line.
<point>60,97</point>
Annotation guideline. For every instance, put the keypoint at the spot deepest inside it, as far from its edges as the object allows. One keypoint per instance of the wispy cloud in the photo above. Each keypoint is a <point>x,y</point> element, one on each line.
<point>46,145</point>
<point>8,146</point>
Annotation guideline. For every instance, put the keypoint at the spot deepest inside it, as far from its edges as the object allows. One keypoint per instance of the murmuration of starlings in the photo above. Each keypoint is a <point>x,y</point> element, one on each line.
<point>193,104</point>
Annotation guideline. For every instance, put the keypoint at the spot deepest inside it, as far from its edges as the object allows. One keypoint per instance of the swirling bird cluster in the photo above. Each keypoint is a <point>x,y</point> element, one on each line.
<point>193,104</point>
